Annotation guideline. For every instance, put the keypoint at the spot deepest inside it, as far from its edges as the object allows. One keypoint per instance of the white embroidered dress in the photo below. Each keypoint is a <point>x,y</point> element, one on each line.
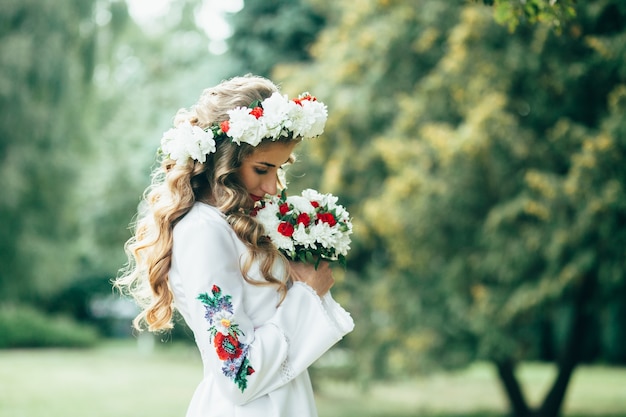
<point>255,354</point>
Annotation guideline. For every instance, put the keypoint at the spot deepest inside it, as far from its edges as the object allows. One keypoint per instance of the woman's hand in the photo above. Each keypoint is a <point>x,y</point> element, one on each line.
<point>320,279</point>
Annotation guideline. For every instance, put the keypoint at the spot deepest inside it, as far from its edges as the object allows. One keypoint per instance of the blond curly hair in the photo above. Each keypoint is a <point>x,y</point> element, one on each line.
<point>176,188</point>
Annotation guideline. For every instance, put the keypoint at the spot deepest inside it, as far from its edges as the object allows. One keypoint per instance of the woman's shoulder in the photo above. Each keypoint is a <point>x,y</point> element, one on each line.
<point>202,217</point>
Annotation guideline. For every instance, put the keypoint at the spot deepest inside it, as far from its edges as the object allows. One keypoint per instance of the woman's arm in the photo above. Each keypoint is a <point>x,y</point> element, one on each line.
<point>249,362</point>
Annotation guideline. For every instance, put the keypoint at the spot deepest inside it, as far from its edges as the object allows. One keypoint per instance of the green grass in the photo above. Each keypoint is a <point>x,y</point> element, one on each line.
<point>114,380</point>
<point>595,391</point>
<point>122,379</point>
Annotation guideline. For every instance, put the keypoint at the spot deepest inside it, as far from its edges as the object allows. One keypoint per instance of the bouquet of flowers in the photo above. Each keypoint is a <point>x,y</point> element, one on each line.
<point>309,228</point>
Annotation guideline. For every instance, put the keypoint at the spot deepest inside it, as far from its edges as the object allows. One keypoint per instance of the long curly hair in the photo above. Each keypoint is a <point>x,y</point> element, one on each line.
<point>173,192</point>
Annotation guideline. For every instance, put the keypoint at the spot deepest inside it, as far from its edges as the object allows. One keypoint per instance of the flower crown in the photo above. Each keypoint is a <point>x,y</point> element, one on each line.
<point>272,118</point>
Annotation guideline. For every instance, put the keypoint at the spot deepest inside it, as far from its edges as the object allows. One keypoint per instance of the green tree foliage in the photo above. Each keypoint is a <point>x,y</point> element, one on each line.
<point>512,13</point>
<point>144,75</point>
<point>47,63</point>
<point>271,33</point>
<point>370,55</point>
<point>268,32</point>
<point>85,95</point>
<point>485,172</point>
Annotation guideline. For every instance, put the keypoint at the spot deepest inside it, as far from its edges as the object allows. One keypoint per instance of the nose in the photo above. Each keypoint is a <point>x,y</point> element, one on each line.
<point>270,186</point>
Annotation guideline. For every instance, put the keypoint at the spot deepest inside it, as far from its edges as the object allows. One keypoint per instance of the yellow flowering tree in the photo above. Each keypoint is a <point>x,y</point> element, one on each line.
<point>485,173</point>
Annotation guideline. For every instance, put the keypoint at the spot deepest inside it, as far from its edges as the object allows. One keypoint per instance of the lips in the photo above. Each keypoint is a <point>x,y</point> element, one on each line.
<point>255,198</point>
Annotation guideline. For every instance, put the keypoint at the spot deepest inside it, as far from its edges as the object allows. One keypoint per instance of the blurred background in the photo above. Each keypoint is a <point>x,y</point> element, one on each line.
<point>480,147</point>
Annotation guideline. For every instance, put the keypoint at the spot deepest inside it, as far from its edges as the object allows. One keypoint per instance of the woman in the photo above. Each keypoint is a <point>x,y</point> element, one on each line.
<point>258,320</point>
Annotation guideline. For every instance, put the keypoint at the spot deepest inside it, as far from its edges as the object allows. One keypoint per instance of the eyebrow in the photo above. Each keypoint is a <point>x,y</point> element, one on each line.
<point>267,164</point>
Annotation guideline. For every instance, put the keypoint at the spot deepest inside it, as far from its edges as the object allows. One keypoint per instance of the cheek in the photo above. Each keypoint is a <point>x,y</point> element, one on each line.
<point>249,178</point>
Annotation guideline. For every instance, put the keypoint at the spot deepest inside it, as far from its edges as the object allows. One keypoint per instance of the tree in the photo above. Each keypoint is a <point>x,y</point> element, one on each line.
<point>514,12</point>
<point>486,194</point>
<point>365,63</point>
<point>270,32</point>
<point>85,95</point>
<point>144,77</point>
<point>48,61</point>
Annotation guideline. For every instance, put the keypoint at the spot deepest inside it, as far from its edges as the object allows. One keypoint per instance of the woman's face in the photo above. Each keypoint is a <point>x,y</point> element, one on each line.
<point>259,171</point>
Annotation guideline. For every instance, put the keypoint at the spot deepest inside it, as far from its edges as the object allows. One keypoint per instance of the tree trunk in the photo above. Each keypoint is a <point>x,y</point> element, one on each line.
<point>551,406</point>
<point>517,402</point>
<point>569,359</point>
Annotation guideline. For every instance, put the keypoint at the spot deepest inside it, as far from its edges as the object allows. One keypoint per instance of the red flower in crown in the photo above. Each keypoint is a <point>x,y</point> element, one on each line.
<point>286,229</point>
<point>315,204</point>
<point>306,97</point>
<point>224,126</point>
<point>257,112</point>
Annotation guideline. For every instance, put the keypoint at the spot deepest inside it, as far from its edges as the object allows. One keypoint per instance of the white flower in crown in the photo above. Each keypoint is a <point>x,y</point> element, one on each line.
<point>272,118</point>
<point>308,116</point>
<point>276,112</point>
<point>187,141</point>
<point>245,126</point>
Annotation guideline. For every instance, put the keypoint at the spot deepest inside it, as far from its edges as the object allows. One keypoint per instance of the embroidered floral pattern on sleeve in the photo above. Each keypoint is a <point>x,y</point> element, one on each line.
<point>225,336</point>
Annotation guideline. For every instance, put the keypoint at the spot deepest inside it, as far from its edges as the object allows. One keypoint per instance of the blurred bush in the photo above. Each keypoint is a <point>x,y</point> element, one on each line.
<point>24,326</point>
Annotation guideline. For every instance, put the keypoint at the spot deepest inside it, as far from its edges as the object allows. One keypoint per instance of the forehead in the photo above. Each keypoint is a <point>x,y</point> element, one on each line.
<point>274,153</point>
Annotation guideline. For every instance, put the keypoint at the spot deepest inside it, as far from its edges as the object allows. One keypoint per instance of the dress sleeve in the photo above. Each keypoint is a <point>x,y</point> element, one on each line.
<point>247,362</point>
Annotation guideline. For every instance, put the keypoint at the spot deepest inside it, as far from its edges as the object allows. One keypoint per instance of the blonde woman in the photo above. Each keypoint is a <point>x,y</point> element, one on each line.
<point>258,320</point>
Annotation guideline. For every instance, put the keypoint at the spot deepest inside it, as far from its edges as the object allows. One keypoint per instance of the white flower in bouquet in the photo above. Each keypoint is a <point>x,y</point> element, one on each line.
<point>310,228</point>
